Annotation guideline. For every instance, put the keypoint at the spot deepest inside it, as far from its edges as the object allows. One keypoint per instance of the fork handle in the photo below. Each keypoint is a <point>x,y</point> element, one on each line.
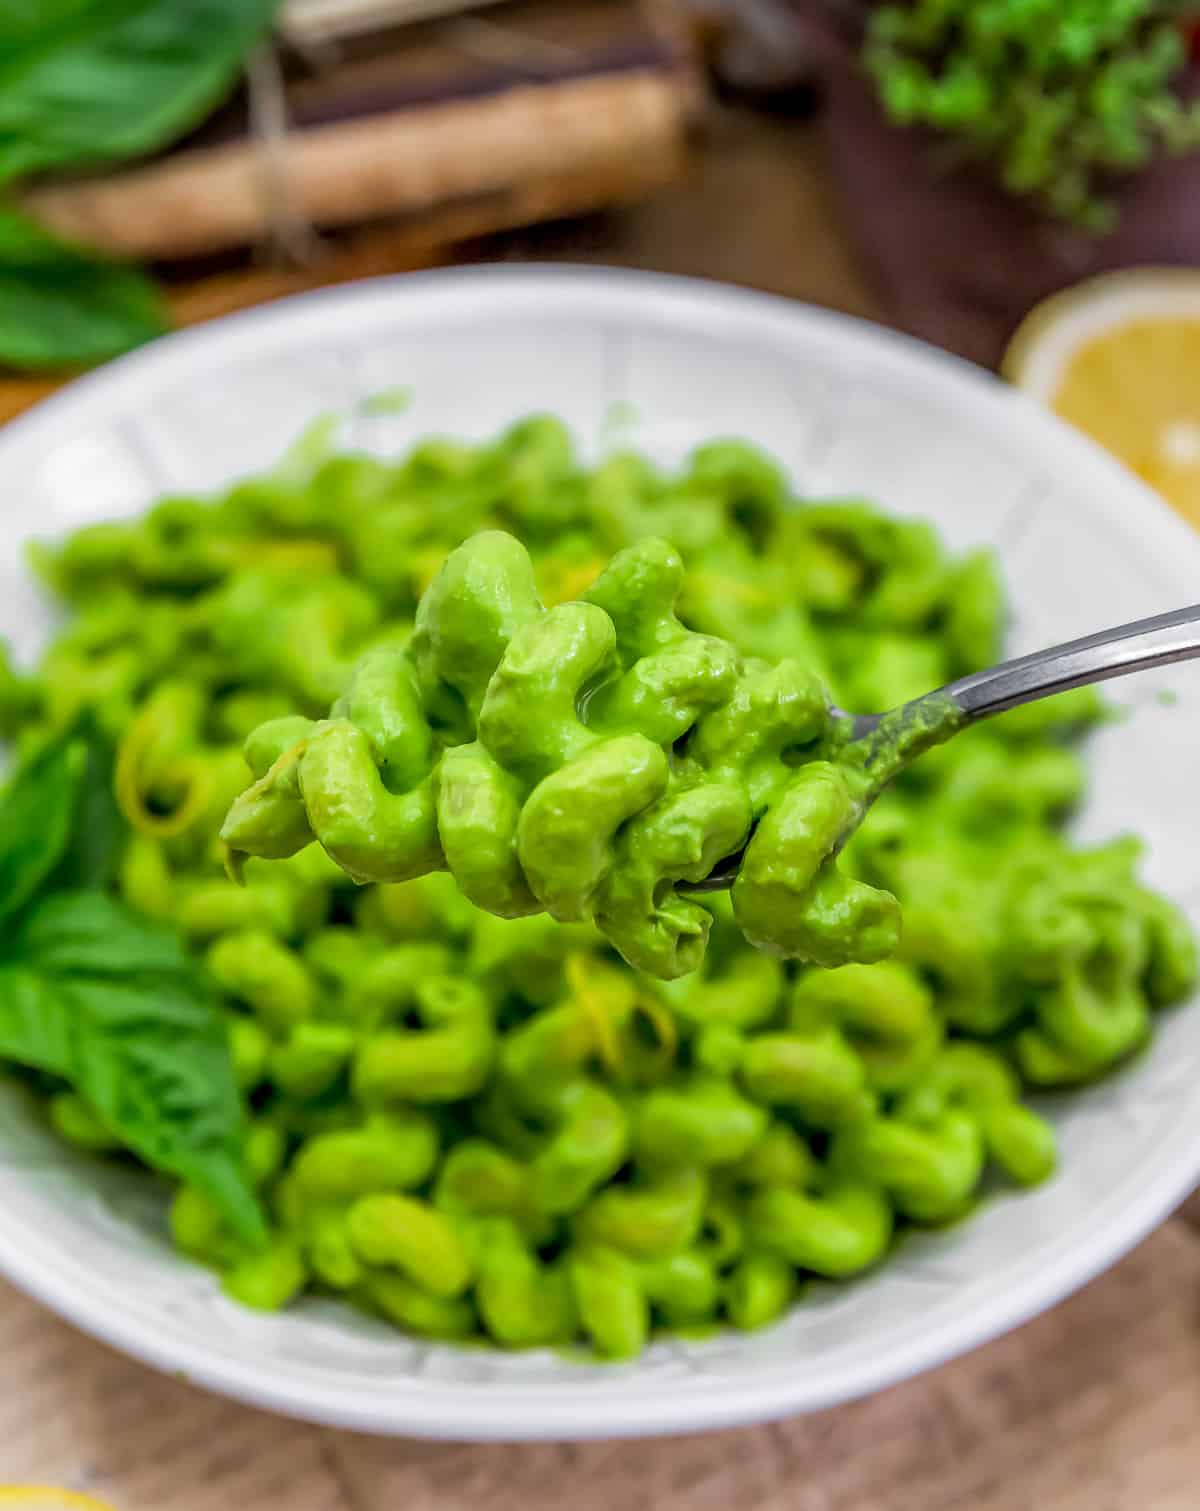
<point>886,743</point>
<point>1158,641</point>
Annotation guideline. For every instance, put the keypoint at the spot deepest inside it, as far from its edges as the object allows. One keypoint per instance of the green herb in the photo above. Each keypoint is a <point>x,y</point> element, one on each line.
<point>59,822</point>
<point>1060,97</point>
<point>84,82</point>
<point>116,1007</point>
<point>93,848</point>
<point>36,816</point>
<point>91,81</point>
<point>61,304</point>
<point>109,1002</point>
<point>35,1029</point>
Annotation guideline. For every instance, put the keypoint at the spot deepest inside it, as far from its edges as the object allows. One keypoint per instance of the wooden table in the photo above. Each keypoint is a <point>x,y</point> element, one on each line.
<point>1094,1407</point>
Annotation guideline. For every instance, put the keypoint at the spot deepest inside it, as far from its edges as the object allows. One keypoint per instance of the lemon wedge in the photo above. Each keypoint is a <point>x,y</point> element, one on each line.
<point>1119,357</point>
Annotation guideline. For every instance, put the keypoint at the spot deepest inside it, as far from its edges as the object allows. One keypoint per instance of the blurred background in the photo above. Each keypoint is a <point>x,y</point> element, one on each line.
<point>942,165</point>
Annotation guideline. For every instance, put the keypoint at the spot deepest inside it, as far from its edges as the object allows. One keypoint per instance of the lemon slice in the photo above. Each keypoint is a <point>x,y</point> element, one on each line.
<point>1119,357</point>
<point>48,1498</point>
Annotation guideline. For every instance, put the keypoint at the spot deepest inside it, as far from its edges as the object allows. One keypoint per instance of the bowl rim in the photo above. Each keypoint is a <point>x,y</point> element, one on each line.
<point>497,1411</point>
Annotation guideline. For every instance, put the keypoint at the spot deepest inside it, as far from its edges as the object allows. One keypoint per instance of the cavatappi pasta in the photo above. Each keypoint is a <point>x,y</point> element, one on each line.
<point>478,1126</point>
<point>581,760</point>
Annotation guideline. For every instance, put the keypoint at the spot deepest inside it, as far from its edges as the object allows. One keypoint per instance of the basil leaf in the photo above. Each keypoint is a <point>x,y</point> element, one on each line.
<point>152,1060</point>
<point>59,304</point>
<point>37,810</point>
<point>89,81</point>
<point>18,698</point>
<point>91,934</point>
<point>93,852</point>
<point>116,1006</point>
<point>35,1021</point>
<point>59,821</point>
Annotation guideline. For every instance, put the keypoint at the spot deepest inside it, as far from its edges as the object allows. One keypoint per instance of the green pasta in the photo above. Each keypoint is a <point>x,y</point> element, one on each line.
<point>502,1079</point>
<point>582,759</point>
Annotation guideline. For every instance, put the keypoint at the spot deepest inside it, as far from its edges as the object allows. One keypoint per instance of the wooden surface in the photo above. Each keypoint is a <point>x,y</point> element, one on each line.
<point>1094,1407</point>
<point>755,208</point>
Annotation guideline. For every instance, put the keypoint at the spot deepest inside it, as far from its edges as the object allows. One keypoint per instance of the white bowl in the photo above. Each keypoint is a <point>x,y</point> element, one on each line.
<point>848,408</point>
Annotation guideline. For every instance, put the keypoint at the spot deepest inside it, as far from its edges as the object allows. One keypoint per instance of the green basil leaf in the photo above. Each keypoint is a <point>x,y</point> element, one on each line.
<point>91,934</point>
<point>93,852</point>
<point>89,81</point>
<point>117,1006</point>
<point>152,1059</point>
<point>37,810</point>
<point>35,1021</point>
<point>60,305</point>
<point>18,699</point>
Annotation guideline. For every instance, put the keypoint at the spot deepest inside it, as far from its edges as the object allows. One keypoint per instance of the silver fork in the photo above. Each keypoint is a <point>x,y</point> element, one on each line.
<point>883,744</point>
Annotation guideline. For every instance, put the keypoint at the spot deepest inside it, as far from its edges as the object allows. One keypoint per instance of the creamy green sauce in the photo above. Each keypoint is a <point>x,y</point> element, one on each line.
<point>495,1127</point>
